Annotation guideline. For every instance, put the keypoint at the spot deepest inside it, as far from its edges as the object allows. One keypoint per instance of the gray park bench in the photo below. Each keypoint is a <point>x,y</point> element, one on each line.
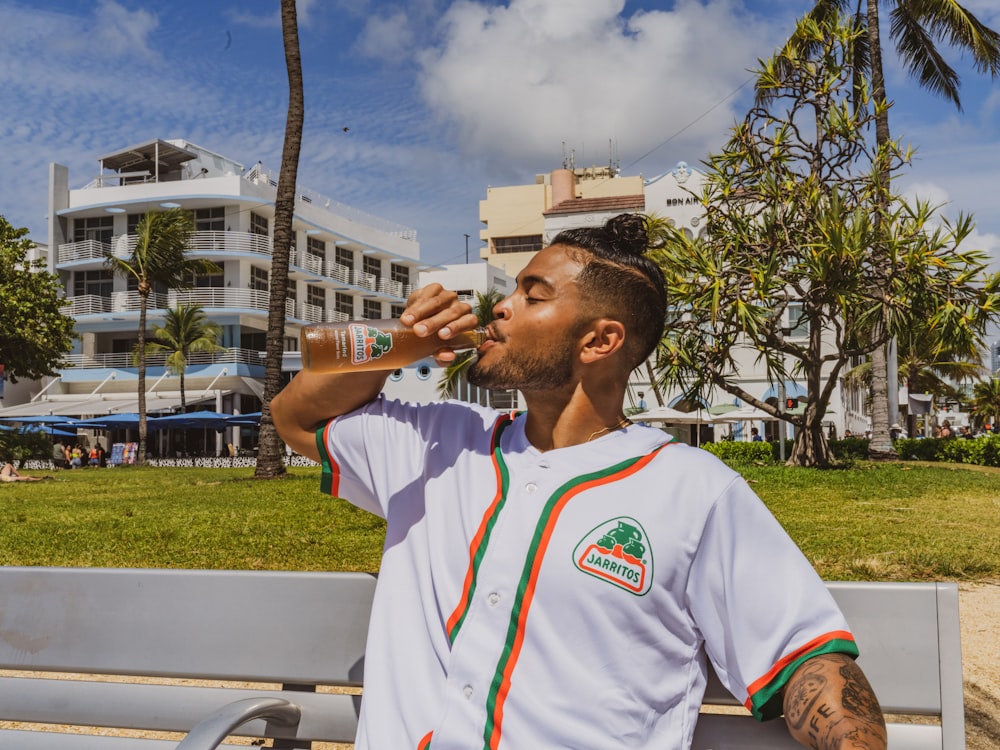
<point>197,637</point>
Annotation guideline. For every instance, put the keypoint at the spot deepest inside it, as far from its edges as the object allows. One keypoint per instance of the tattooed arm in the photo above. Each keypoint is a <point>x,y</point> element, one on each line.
<point>829,705</point>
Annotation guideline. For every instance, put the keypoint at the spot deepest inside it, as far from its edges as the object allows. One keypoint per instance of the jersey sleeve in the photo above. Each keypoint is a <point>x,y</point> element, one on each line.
<point>759,604</point>
<point>383,450</point>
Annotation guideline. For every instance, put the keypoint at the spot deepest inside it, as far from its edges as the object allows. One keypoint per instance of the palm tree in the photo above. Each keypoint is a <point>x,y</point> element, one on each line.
<point>986,400</point>
<point>917,29</point>
<point>185,330</point>
<point>157,258</point>
<point>270,456</point>
<point>485,302</point>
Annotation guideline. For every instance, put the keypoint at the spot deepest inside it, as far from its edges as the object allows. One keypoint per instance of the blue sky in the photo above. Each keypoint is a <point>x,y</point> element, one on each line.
<point>440,99</point>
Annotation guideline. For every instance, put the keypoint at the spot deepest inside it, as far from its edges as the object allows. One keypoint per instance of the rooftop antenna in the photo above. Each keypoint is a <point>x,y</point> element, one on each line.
<point>614,164</point>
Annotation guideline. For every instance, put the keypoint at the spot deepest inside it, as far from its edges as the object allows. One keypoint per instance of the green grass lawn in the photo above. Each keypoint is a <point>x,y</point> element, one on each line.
<point>873,522</point>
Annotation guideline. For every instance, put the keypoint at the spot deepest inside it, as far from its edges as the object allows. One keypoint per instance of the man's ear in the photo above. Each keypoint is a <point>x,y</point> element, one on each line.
<point>603,338</point>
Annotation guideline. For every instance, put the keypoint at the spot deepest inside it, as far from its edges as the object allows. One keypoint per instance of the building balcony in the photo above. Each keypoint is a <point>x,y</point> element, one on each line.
<point>91,253</point>
<point>125,360</point>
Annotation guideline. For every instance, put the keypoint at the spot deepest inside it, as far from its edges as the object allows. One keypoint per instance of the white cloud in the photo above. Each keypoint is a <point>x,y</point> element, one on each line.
<point>389,37</point>
<point>515,82</point>
<point>119,32</point>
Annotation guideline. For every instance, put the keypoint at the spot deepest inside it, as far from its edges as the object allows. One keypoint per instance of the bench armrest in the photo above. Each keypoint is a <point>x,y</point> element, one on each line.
<point>208,733</point>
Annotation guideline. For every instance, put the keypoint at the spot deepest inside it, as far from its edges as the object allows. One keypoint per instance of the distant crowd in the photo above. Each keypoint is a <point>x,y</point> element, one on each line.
<point>76,456</point>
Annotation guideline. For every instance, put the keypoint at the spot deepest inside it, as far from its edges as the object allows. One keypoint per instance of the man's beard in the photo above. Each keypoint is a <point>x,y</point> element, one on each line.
<point>543,370</point>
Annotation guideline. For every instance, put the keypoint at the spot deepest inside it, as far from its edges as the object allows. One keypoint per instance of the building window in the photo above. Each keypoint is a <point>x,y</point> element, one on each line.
<point>344,304</point>
<point>213,220</point>
<point>316,247</point>
<point>258,278</point>
<point>133,222</point>
<point>292,291</point>
<point>796,322</point>
<point>373,266</point>
<point>97,228</point>
<point>258,224</point>
<point>316,296</point>
<point>345,257</point>
<point>372,309</point>
<point>400,273</point>
<point>396,311</point>
<point>208,280</point>
<point>98,283</point>
<point>530,243</point>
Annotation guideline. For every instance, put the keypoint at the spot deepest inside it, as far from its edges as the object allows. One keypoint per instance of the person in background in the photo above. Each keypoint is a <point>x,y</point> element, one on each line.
<point>9,474</point>
<point>560,577</point>
<point>59,459</point>
<point>755,435</point>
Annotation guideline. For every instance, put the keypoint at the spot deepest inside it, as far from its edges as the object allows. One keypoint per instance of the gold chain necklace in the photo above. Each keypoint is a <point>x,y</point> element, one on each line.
<point>625,422</point>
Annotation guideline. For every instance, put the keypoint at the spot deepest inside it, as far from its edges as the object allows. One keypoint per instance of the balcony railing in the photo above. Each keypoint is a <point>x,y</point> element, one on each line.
<point>210,298</point>
<point>311,313</point>
<point>310,262</point>
<point>201,243</point>
<point>363,280</point>
<point>338,272</point>
<point>124,360</point>
<point>86,250</point>
<point>87,304</point>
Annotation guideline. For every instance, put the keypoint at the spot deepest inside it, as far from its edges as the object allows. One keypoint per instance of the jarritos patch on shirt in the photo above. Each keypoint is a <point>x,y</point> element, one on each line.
<point>618,552</point>
<point>368,343</point>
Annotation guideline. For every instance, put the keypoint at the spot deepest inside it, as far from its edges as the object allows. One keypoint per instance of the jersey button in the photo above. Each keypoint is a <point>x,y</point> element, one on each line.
<point>493,599</point>
<point>467,691</point>
<point>530,487</point>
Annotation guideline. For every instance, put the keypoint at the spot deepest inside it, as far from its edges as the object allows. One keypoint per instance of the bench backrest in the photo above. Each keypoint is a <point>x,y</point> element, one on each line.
<point>297,630</point>
<point>307,630</point>
<point>910,643</point>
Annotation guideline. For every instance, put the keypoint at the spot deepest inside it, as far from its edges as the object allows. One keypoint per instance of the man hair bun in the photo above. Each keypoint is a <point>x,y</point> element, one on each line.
<point>627,233</point>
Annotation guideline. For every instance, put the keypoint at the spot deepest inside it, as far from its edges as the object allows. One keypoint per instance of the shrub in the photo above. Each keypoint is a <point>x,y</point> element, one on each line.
<point>741,452</point>
<point>850,448</point>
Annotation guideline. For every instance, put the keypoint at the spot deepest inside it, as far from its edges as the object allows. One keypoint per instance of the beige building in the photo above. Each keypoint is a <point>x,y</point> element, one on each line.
<point>520,219</point>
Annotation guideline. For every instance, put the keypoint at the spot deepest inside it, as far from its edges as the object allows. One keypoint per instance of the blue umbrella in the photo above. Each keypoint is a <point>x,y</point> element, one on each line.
<point>40,419</point>
<point>251,419</point>
<point>207,419</point>
<point>114,421</point>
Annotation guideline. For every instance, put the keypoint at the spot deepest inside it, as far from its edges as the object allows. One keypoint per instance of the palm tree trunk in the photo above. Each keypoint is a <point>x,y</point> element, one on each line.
<point>880,446</point>
<point>270,456</point>
<point>140,457</point>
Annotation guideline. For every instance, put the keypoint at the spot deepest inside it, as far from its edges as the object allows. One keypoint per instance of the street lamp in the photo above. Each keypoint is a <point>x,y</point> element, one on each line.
<point>466,249</point>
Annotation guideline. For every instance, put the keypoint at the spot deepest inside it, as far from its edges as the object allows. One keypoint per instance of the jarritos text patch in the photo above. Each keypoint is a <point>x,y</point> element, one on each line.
<point>618,552</point>
<point>368,343</point>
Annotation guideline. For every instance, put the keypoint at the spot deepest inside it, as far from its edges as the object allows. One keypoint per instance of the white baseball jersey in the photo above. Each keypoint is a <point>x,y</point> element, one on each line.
<point>567,598</point>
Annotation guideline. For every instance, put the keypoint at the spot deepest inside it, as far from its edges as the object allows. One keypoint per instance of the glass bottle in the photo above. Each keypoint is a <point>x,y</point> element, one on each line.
<point>385,344</point>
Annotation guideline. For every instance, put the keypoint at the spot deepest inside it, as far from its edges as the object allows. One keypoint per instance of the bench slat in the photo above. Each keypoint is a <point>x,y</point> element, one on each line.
<point>27,740</point>
<point>229,625</point>
<point>719,732</point>
<point>168,708</point>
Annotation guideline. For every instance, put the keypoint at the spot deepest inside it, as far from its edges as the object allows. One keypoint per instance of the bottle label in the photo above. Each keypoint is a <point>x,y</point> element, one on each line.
<point>368,344</point>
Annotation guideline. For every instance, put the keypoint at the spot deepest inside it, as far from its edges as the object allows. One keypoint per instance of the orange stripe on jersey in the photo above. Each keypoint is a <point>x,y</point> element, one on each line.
<point>425,742</point>
<point>482,534</point>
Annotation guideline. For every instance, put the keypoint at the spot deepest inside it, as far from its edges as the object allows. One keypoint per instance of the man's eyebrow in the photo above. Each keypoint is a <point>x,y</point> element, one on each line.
<point>532,280</point>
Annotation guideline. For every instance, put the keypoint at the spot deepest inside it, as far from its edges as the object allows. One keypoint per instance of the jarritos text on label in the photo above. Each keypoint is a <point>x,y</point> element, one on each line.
<point>368,343</point>
<point>617,551</point>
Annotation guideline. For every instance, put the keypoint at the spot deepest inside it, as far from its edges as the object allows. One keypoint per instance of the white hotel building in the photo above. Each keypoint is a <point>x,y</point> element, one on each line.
<point>344,264</point>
